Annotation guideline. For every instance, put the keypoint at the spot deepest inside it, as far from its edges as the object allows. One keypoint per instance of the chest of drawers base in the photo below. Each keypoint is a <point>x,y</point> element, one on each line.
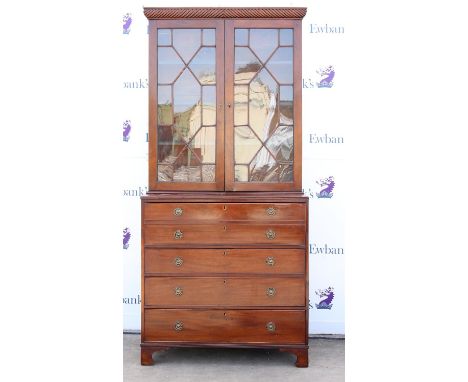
<point>224,270</point>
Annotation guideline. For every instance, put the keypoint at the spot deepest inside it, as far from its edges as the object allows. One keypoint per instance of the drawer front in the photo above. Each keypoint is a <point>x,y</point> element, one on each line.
<point>225,326</point>
<point>182,212</point>
<point>224,291</point>
<point>225,234</point>
<point>189,261</point>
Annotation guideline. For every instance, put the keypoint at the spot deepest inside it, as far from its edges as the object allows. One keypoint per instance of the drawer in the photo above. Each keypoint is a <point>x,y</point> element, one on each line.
<point>189,261</point>
<point>224,291</point>
<point>224,234</point>
<point>182,212</point>
<point>225,326</point>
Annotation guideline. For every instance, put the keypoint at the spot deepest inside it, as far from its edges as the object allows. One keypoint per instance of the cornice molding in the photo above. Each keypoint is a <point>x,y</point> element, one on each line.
<point>224,13</point>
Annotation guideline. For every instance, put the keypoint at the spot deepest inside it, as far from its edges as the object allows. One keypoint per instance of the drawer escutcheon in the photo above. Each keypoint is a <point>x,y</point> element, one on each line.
<point>270,292</point>
<point>270,261</point>
<point>178,234</point>
<point>179,325</point>
<point>270,234</point>
<point>178,261</point>
<point>178,291</point>
<point>271,327</point>
<point>271,211</point>
<point>178,211</point>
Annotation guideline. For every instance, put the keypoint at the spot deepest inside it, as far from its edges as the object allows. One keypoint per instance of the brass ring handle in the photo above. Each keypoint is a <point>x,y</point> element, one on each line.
<point>178,234</point>
<point>179,325</point>
<point>271,211</point>
<point>178,291</point>
<point>178,211</point>
<point>270,234</point>
<point>178,261</point>
<point>271,327</point>
<point>270,292</point>
<point>270,261</point>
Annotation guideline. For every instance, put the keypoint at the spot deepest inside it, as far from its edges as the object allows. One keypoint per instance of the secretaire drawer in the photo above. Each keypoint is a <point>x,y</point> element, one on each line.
<point>202,260</point>
<point>224,234</point>
<point>224,291</point>
<point>225,326</point>
<point>182,212</point>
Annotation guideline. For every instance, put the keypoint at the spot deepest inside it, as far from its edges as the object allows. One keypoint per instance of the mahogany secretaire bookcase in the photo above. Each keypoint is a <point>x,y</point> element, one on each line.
<point>225,223</point>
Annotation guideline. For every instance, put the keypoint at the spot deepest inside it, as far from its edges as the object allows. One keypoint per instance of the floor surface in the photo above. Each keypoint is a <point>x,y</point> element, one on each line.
<point>326,364</point>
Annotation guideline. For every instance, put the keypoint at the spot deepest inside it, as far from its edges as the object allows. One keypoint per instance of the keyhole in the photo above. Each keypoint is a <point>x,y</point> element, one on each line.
<point>224,208</point>
<point>225,228</point>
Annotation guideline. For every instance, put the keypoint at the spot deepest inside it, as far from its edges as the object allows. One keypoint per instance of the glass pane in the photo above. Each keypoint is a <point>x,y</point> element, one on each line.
<point>263,42</point>
<point>164,105</point>
<point>187,110</point>
<point>286,173</point>
<point>263,168</point>
<point>209,105</point>
<point>241,36</point>
<point>246,144</point>
<point>203,66</point>
<point>186,42</point>
<point>264,130</point>
<point>203,144</point>
<point>164,37</point>
<point>241,94</point>
<point>208,173</point>
<point>186,150</point>
<point>281,65</point>
<point>241,173</point>
<point>263,110</point>
<point>281,143</point>
<point>208,37</point>
<point>286,105</point>
<point>286,36</point>
<point>169,65</point>
<point>246,65</point>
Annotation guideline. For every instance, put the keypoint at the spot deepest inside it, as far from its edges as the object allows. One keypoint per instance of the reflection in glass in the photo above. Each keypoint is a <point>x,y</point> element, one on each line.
<point>169,65</point>
<point>203,144</point>
<point>164,105</point>
<point>208,37</point>
<point>286,36</point>
<point>186,42</point>
<point>246,65</point>
<point>203,66</point>
<point>246,144</point>
<point>241,94</point>
<point>208,173</point>
<point>241,36</point>
<point>281,143</point>
<point>286,105</point>
<point>263,167</point>
<point>263,42</point>
<point>241,173</point>
<point>286,173</point>
<point>209,105</point>
<point>164,37</point>
<point>263,111</point>
<point>281,65</point>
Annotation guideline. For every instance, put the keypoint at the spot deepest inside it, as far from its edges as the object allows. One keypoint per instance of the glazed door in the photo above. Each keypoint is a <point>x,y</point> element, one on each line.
<point>263,105</point>
<point>186,105</point>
